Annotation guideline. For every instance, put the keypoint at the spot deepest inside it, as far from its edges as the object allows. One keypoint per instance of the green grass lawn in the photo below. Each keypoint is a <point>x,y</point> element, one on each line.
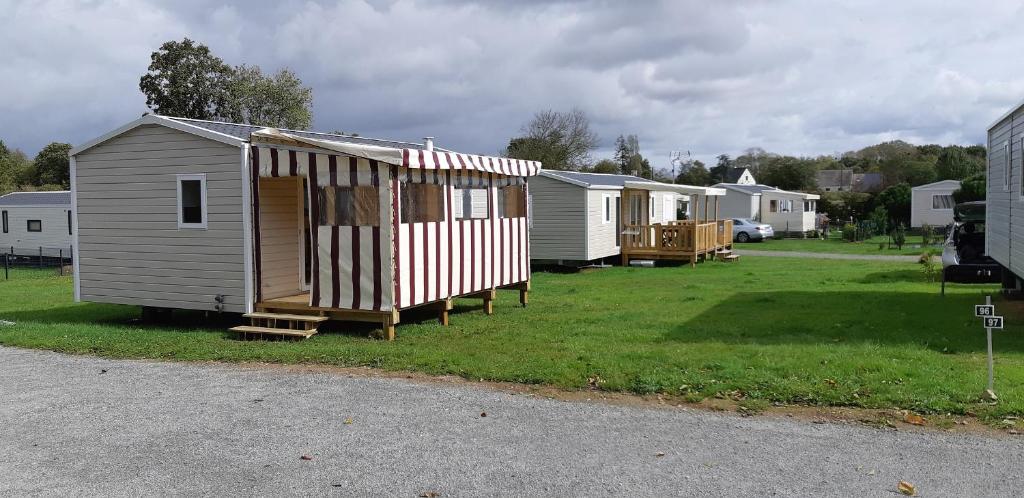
<point>815,332</point>
<point>836,245</point>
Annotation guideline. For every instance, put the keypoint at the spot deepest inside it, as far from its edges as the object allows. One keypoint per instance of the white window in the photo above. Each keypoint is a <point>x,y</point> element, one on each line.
<point>773,206</point>
<point>606,206</point>
<point>650,209</point>
<point>810,206</point>
<point>192,201</point>
<point>944,201</point>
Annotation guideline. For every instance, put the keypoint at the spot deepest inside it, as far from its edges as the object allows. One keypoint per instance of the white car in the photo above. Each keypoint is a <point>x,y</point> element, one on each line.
<point>744,230</point>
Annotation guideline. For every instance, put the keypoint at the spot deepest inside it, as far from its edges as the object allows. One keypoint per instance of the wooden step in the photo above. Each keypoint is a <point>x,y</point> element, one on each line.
<point>249,329</point>
<point>283,316</point>
<point>724,252</point>
<point>731,257</point>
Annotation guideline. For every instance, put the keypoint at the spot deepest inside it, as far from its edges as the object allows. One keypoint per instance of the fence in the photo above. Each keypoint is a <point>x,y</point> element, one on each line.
<point>40,258</point>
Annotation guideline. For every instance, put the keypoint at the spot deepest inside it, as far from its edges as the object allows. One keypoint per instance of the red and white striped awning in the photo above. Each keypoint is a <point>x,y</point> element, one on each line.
<point>409,158</point>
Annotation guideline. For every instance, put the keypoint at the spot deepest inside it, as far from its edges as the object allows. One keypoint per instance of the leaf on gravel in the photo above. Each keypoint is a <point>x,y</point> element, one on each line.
<point>660,454</point>
<point>305,457</point>
<point>483,414</point>
<point>348,421</point>
<point>914,419</point>
<point>429,494</point>
<point>103,371</point>
<point>906,488</point>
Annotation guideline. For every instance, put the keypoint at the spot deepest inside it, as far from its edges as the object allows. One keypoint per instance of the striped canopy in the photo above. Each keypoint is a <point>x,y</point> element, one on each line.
<point>409,158</point>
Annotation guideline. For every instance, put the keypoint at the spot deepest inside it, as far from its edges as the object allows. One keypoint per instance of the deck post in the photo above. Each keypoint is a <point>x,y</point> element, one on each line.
<point>524,293</point>
<point>442,311</point>
<point>388,326</point>
<point>489,302</point>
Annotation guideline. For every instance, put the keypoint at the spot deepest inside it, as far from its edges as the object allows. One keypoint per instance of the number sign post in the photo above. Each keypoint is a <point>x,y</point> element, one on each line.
<point>989,319</point>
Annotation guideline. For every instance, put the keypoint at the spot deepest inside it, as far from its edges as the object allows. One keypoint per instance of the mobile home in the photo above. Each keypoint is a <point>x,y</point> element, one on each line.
<point>1004,211</point>
<point>932,204</point>
<point>785,211</point>
<point>575,216</point>
<point>34,223</point>
<point>281,224</point>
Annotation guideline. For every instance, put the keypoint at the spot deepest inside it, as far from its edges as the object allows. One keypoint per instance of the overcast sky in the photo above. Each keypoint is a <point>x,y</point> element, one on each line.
<point>801,77</point>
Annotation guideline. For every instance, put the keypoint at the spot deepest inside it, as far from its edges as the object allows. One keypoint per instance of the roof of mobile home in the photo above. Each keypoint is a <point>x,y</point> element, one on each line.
<point>592,180</point>
<point>939,185</point>
<point>760,189</point>
<point>54,198</point>
<point>237,134</point>
<point>608,181</point>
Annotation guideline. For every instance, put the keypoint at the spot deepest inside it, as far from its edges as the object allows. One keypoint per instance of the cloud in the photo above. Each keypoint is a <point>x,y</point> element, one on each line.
<point>792,76</point>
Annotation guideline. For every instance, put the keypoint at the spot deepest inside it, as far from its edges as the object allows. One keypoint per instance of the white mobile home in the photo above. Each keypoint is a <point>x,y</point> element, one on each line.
<point>575,216</point>
<point>191,214</point>
<point>1004,195</point>
<point>932,204</point>
<point>33,223</point>
<point>785,211</point>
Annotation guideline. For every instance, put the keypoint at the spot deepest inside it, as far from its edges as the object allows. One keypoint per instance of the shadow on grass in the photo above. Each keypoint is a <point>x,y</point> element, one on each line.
<point>123,316</point>
<point>944,324</point>
<point>895,276</point>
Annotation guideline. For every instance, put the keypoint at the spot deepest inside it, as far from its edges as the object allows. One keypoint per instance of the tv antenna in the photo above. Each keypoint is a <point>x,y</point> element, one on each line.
<point>677,159</point>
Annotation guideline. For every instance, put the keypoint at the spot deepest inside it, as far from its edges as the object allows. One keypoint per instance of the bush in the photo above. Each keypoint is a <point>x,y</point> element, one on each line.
<point>899,236</point>
<point>850,232</point>
<point>928,265</point>
<point>927,234</point>
<point>879,217</point>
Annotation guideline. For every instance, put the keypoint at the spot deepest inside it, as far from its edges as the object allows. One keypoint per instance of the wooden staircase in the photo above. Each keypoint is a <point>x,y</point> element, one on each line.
<point>279,324</point>
<point>726,255</point>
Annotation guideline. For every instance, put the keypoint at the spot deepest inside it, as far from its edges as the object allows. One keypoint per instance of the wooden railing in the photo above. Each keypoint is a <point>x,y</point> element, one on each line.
<point>677,237</point>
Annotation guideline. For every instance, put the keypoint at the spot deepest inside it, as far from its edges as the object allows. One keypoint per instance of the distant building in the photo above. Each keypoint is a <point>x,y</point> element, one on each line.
<point>739,176</point>
<point>841,180</point>
<point>34,223</point>
<point>932,204</point>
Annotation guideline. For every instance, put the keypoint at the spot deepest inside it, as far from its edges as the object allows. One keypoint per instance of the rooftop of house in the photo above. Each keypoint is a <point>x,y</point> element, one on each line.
<point>242,132</point>
<point>60,197</point>
<point>592,179</point>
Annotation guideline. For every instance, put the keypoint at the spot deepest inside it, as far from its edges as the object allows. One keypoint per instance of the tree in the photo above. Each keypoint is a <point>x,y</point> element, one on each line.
<point>720,171</point>
<point>896,201</point>
<point>971,189</point>
<point>279,100</point>
<point>560,140</point>
<point>696,174</point>
<point>844,205</point>
<point>52,167</point>
<point>184,79</point>
<point>605,166</point>
<point>788,173</point>
<point>954,163</point>
<point>626,148</point>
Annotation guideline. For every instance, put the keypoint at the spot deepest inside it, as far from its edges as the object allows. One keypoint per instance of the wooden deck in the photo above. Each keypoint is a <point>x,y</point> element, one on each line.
<point>687,241</point>
<point>299,304</point>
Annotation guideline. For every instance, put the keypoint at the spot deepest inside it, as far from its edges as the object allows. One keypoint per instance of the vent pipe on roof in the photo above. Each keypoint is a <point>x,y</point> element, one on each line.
<point>428,143</point>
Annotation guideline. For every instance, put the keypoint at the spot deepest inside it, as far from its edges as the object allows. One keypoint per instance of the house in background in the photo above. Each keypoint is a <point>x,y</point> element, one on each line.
<point>785,211</point>
<point>842,180</point>
<point>34,221</point>
<point>575,216</point>
<point>741,176</point>
<point>293,227</point>
<point>932,204</point>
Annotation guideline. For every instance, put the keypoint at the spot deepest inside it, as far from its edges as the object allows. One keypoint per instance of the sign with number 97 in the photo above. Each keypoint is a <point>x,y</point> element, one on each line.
<point>993,322</point>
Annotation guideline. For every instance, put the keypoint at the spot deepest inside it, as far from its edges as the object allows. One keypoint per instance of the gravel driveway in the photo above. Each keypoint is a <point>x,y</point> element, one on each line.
<point>89,426</point>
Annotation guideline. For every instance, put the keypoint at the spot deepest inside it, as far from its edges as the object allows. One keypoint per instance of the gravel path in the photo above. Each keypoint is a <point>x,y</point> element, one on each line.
<point>825,255</point>
<point>143,428</point>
